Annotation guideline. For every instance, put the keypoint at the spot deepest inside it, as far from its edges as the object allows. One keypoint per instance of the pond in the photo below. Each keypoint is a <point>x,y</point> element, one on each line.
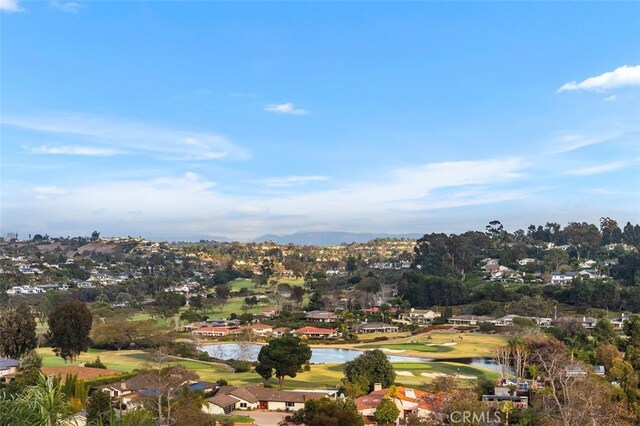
<point>249,352</point>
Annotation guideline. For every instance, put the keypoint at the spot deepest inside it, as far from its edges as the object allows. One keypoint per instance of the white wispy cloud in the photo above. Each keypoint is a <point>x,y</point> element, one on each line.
<point>623,76</point>
<point>10,6</point>
<point>191,203</point>
<point>571,141</point>
<point>286,108</point>
<point>611,98</point>
<point>89,151</point>
<point>292,180</point>
<point>603,168</point>
<point>132,136</point>
<point>48,190</point>
<point>66,6</point>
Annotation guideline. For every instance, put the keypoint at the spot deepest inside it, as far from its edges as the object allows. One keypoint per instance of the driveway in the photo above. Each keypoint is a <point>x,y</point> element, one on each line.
<point>266,418</point>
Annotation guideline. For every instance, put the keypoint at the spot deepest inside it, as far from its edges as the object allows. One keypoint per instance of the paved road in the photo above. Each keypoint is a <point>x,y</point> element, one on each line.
<point>266,418</point>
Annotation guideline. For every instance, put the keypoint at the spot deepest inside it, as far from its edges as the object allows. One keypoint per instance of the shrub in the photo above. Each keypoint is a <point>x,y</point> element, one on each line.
<point>486,327</point>
<point>96,364</point>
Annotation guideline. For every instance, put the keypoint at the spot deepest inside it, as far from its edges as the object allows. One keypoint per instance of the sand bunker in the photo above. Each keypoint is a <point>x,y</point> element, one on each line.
<point>457,376</point>
<point>404,373</point>
<point>393,351</point>
<point>441,344</point>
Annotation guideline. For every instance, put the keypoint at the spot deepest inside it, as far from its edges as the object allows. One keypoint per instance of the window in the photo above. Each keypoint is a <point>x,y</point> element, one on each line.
<point>290,404</point>
<point>243,405</point>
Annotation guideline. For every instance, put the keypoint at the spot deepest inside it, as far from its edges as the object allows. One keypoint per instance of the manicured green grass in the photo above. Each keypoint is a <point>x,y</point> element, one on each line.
<point>129,360</point>
<point>452,368</point>
<point>236,285</point>
<point>465,345</point>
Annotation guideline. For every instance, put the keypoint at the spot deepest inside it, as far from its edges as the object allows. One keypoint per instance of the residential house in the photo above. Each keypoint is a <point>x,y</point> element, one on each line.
<point>315,332</point>
<point>420,316</point>
<point>320,316</point>
<point>468,319</point>
<point>229,398</point>
<point>507,320</point>
<point>526,261</point>
<point>220,404</point>
<point>280,331</point>
<point>510,390</point>
<point>587,264</point>
<point>261,330</point>
<point>8,369</point>
<point>592,274</point>
<point>209,331</point>
<point>409,401</point>
<point>271,312</point>
<point>376,327</point>
<point>129,392</point>
<point>558,278</point>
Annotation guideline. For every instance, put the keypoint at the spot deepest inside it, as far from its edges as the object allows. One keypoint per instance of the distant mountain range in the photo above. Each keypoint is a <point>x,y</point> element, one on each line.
<point>328,238</point>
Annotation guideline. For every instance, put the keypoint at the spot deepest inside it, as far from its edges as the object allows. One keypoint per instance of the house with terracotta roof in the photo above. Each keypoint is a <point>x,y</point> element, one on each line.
<point>408,400</point>
<point>315,332</point>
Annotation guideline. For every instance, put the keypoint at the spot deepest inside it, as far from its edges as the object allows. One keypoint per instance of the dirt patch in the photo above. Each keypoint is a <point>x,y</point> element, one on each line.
<point>84,373</point>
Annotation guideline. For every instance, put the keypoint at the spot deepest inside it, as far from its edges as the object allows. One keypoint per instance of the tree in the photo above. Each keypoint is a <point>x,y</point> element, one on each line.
<point>556,257</point>
<point>297,294</point>
<point>223,291</point>
<point>98,408</point>
<point>69,327</point>
<point>604,332</point>
<point>95,235</point>
<point>370,368</point>
<point>167,304</point>
<point>329,412</point>
<point>17,332</point>
<point>282,357</point>
<point>387,413</point>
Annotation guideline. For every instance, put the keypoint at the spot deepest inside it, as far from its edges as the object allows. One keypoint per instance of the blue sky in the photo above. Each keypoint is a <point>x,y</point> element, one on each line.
<point>193,119</point>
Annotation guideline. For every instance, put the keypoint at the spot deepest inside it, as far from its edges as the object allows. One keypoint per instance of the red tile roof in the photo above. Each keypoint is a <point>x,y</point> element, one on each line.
<point>314,330</point>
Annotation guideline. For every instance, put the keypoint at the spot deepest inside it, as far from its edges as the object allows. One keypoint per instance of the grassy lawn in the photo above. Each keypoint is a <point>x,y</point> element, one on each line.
<point>326,376</point>
<point>465,345</point>
<point>129,360</point>
<point>234,305</point>
<point>439,367</point>
<point>236,285</point>
<point>320,376</point>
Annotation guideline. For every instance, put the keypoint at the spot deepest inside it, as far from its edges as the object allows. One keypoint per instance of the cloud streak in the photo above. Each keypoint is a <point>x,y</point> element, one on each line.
<point>292,180</point>
<point>602,168</point>
<point>573,141</point>
<point>286,108</point>
<point>190,203</point>
<point>623,76</point>
<point>66,6</point>
<point>120,135</point>
<point>88,151</point>
<point>10,6</point>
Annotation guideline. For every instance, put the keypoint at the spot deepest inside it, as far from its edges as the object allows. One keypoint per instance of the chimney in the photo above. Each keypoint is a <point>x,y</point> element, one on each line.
<point>409,393</point>
<point>377,386</point>
<point>123,385</point>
